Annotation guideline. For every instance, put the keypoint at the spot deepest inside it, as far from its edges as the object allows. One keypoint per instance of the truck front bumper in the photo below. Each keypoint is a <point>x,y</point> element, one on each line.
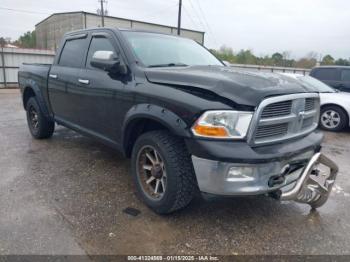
<point>295,170</point>
<point>226,178</point>
<point>234,168</point>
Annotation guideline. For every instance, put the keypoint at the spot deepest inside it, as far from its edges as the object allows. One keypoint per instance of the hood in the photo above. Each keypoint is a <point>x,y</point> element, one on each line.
<point>242,87</point>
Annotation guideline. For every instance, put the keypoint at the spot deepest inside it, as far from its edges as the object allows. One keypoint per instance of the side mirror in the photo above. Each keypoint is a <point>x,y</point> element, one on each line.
<point>108,61</point>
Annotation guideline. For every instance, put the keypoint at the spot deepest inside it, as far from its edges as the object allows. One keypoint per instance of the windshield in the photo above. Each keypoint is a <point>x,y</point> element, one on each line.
<point>157,50</point>
<point>314,83</point>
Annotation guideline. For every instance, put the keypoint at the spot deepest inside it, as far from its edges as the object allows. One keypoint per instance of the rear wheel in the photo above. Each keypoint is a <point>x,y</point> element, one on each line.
<point>39,126</point>
<point>163,172</point>
<point>333,118</point>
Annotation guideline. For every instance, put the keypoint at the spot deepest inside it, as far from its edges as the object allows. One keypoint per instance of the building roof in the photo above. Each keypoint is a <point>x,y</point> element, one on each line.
<point>107,16</point>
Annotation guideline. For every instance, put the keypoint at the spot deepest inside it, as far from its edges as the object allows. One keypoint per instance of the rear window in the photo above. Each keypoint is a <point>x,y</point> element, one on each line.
<point>326,74</point>
<point>345,75</point>
<point>73,53</point>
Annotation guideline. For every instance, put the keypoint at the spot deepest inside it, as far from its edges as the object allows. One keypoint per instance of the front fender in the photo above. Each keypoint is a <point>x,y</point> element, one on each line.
<point>153,112</point>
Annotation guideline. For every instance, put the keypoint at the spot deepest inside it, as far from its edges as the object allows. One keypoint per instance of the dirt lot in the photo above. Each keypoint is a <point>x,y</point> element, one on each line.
<point>66,195</point>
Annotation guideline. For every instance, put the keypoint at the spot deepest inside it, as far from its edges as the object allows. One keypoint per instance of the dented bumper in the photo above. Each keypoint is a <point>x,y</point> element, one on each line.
<point>315,184</point>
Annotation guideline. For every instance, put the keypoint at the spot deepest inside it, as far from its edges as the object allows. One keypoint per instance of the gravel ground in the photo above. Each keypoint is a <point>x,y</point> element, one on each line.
<point>66,195</point>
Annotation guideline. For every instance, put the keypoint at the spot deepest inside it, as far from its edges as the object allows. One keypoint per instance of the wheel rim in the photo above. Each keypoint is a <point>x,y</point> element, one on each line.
<point>151,172</point>
<point>34,118</point>
<point>330,119</point>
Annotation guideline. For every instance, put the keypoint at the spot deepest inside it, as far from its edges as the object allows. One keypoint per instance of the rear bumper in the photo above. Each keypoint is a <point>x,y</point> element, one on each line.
<point>235,168</point>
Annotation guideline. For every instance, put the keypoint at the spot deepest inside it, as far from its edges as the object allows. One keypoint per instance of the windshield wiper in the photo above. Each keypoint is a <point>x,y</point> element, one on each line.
<point>168,65</point>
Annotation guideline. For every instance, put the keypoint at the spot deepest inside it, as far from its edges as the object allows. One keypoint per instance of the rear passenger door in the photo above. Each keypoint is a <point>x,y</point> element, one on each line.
<point>64,88</point>
<point>345,80</point>
<point>330,76</point>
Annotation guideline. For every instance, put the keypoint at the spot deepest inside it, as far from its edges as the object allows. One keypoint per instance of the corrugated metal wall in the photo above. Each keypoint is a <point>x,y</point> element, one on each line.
<point>50,31</point>
<point>14,57</point>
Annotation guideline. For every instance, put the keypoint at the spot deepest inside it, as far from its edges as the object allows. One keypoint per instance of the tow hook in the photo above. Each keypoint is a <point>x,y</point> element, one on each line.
<point>314,184</point>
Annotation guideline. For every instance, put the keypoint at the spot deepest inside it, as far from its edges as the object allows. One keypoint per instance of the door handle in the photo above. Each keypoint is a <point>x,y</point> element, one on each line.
<point>53,76</point>
<point>84,81</point>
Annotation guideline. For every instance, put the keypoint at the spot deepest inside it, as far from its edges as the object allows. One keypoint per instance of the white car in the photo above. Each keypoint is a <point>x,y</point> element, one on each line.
<point>335,105</point>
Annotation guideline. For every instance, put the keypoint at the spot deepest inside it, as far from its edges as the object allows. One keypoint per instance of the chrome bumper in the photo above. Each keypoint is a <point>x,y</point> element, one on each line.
<point>302,184</point>
<point>310,188</point>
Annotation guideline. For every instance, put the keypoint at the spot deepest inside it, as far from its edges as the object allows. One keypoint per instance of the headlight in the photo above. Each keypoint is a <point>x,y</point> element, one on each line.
<point>223,124</point>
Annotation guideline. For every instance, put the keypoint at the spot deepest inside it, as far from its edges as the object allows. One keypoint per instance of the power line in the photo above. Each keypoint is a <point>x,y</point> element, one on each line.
<point>197,15</point>
<point>190,17</point>
<point>161,10</point>
<point>23,11</point>
<point>204,24</point>
<point>205,20</point>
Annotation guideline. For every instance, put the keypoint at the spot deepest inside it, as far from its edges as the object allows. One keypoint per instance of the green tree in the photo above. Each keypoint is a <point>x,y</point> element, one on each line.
<point>246,57</point>
<point>342,62</point>
<point>327,60</point>
<point>27,40</point>
<point>277,59</point>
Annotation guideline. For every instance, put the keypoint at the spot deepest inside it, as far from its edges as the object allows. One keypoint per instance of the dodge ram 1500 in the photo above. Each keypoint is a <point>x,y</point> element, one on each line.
<point>188,122</point>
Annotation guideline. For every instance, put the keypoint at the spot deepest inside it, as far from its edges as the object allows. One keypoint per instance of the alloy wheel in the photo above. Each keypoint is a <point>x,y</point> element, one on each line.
<point>151,172</point>
<point>330,119</point>
<point>34,118</point>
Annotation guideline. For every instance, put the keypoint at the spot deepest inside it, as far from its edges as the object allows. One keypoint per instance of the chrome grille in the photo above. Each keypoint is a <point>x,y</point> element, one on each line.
<point>284,117</point>
<point>307,122</point>
<point>309,104</point>
<point>277,109</point>
<point>271,131</point>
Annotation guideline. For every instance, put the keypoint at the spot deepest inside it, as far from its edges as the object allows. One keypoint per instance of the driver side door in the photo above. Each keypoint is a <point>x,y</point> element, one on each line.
<point>101,101</point>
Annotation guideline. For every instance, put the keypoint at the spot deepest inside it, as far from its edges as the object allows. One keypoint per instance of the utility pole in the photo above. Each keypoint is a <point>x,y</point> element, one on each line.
<point>102,12</point>
<point>179,18</point>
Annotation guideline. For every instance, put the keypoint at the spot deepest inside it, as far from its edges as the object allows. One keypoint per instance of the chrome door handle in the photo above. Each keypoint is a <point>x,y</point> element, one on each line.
<point>53,76</point>
<point>84,81</point>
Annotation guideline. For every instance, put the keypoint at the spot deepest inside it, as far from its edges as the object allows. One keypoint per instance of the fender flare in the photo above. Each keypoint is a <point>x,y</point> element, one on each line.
<point>153,112</point>
<point>30,84</point>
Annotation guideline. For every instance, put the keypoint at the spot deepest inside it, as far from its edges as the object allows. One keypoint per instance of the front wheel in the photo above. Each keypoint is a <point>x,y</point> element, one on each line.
<point>333,118</point>
<point>163,172</point>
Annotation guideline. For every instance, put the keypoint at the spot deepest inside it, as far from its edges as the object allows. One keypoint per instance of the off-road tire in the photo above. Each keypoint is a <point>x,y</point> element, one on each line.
<point>181,181</point>
<point>44,127</point>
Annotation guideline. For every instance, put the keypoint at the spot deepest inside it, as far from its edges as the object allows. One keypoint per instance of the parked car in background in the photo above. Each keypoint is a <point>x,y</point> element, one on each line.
<point>334,76</point>
<point>335,105</point>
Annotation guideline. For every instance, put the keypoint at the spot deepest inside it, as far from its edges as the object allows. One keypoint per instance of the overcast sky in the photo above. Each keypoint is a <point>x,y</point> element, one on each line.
<point>265,26</point>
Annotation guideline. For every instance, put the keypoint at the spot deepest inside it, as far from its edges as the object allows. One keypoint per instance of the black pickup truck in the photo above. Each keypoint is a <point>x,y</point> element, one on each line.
<point>188,122</point>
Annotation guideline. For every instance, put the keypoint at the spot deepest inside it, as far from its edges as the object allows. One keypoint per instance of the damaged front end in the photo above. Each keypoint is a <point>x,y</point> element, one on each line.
<point>315,183</point>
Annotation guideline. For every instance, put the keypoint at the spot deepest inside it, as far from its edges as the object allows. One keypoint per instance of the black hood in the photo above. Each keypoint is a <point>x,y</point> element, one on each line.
<point>242,87</point>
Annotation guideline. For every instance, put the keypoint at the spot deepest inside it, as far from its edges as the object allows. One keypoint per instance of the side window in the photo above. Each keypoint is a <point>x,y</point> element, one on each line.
<point>345,75</point>
<point>326,74</point>
<point>98,44</point>
<point>73,53</point>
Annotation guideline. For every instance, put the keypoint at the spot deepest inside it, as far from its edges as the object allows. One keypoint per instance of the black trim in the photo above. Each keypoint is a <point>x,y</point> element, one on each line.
<point>241,152</point>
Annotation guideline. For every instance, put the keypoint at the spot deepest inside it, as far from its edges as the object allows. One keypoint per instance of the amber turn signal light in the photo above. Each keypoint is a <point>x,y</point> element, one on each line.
<point>214,131</point>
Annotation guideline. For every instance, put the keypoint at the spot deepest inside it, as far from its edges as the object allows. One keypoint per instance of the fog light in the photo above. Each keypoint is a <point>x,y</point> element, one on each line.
<point>240,173</point>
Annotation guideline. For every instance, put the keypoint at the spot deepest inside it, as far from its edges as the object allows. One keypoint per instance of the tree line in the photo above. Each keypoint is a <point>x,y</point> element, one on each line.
<point>27,40</point>
<point>246,56</point>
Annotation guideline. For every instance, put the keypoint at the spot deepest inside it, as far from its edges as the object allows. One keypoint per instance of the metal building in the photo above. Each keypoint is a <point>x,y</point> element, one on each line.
<point>50,30</point>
